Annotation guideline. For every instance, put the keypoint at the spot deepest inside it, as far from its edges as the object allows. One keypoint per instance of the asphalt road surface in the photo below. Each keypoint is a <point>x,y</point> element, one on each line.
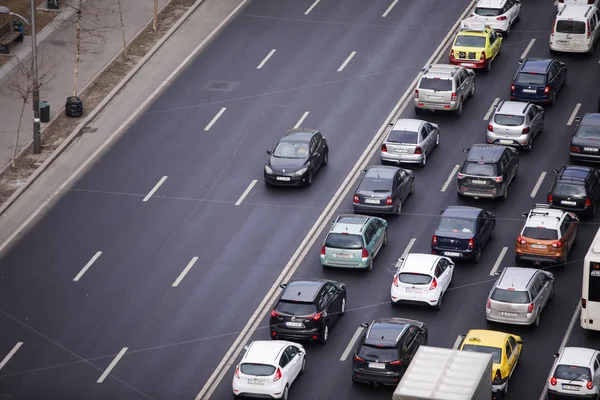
<point>137,283</point>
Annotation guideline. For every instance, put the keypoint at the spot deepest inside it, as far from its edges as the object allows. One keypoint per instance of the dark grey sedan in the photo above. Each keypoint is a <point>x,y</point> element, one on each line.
<point>585,143</point>
<point>383,190</point>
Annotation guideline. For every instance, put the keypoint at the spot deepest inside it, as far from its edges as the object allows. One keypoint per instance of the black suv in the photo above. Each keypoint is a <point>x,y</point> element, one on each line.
<point>585,143</point>
<point>306,310</point>
<point>538,81</point>
<point>575,189</point>
<point>487,171</point>
<point>386,349</point>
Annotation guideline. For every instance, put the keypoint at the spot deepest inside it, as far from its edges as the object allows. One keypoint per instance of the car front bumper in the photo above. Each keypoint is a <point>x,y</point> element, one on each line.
<point>278,180</point>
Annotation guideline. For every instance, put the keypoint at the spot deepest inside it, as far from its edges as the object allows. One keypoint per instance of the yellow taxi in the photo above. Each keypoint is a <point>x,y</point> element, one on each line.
<point>505,349</point>
<point>476,45</point>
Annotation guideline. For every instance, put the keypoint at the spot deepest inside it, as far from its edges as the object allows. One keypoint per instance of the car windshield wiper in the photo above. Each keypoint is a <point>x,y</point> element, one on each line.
<point>577,377</point>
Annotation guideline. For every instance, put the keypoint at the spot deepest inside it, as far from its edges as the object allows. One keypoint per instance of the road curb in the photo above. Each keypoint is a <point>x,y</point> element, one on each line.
<point>99,108</point>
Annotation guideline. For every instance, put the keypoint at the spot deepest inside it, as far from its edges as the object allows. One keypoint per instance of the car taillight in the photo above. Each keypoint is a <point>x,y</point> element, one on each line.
<point>482,58</point>
<point>323,250</point>
<point>395,362</point>
<point>512,88</point>
<point>416,93</point>
<point>237,372</point>
<point>583,302</point>
<point>453,96</point>
<point>501,18</point>
<point>525,130</point>
<point>389,201</point>
<point>451,54</point>
<point>590,385</point>
<point>418,150</point>
<point>530,308</point>
<point>588,202</point>
<point>433,284</point>
<point>498,179</point>
<point>357,358</point>
<point>396,280</point>
<point>274,314</point>
<point>460,176</point>
<point>365,253</point>
<point>547,90</point>
<point>575,149</point>
<point>589,31</point>
<point>488,305</point>
<point>557,244</point>
<point>553,25</point>
<point>521,240</point>
<point>490,128</point>
<point>498,375</point>
<point>549,199</point>
<point>277,375</point>
<point>434,240</point>
<point>471,244</point>
<point>384,148</point>
<point>553,381</point>
<point>356,199</point>
<point>316,317</point>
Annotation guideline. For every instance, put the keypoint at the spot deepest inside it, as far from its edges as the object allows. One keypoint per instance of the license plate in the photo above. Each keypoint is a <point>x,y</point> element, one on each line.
<point>372,201</point>
<point>529,91</point>
<point>538,246</point>
<point>294,324</point>
<point>477,182</point>
<point>283,178</point>
<point>434,97</point>
<point>414,290</point>
<point>594,149</point>
<point>562,41</point>
<point>451,254</point>
<point>342,255</point>
<point>376,365</point>
<point>509,314</point>
<point>400,151</point>
<point>505,141</point>
<point>467,64</point>
<point>568,203</point>
<point>255,382</point>
<point>571,387</point>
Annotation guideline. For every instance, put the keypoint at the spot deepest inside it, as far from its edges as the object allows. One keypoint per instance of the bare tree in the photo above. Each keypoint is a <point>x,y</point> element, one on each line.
<point>125,49</point>
<point>155,20</point>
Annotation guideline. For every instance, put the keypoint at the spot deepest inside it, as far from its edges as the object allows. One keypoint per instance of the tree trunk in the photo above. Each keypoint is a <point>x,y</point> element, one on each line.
<point>77,47</point>
<point>14,156</point>
<point>125,50</point>
<point>155,21</point>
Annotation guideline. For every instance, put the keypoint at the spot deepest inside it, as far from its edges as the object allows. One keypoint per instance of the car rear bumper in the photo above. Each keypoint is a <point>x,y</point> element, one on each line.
<point>404,158</point>
<point>399,295</point>
<point>363,264</point>
<point>584,157</point>
<point>364,376</point>
<point>472,64</point>
<point>555,395</point>
<point>511,321</point>
<point>569,48</point>
<point>466,254</point>
<point>544,99</point>
<point>268,391</point>
<point>585,211</point>
<point>491,193</point>
<point>295,334</point>
<point>515,141</point>
<point>540,259</point>
<point>373,209</point>
<point>426,105</point>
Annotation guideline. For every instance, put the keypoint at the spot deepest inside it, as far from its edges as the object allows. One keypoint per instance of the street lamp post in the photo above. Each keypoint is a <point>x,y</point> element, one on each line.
<point>37,143</point>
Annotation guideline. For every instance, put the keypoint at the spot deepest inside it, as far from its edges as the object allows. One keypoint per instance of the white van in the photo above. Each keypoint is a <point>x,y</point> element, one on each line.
<point>590,287</point>
<point>576,29</point>
<point>562,3</point>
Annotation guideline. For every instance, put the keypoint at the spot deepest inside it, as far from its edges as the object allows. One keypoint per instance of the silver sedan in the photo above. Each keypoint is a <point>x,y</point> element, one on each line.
<point>410,141</point>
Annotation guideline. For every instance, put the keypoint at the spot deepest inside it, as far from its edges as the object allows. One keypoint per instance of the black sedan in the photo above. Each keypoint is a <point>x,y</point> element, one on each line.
<point>296,158</point>
<point>585,143</point>
<point>383,190</point>
<point>463,232</point>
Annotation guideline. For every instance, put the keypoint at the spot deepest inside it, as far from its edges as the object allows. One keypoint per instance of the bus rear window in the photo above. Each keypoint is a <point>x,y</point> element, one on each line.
<point>594,286</point>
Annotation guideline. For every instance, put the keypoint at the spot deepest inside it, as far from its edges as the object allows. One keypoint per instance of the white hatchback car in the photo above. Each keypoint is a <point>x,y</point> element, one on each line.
<point>422,278</point>
<point>573,374</point>
<point>268,369</point>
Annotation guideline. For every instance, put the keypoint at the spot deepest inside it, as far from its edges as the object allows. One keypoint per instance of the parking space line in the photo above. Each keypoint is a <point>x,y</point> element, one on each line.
<point>264,61</point>
<point>456,343</point>
<point>538,184</point>
<point>10,354</point>
<point>155,188</point>
<point>112,365</point>
<point>87,266</point>
<point>491,110</point>
<point>301,120</point>
<point>385,14</point>
<point>452,173</point>
<point>341,68</point>
<point>348,349</point>
<point>184,272</point>
<point>215,119</point>
<point>498,261</point>
<point>248,189</point>
<point>311,7</point>
<point>574,114</point>
<point>529,46</point>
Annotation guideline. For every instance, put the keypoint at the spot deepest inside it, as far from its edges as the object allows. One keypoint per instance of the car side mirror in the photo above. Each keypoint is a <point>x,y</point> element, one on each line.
<point>269,152</point>
<point>391,124</point>
<point>555,171</point>
<point>364,325</point>
<point>283,285</point>
<point>401,259</point>
<point>497,273</point>
<point>519,342</point>
<point>577,119</point>
<point>364,171</point>
<point>441,212</point>
<point>499,34</point>
<point>556,355</point>
<point>524,215</point>
<point>466,150</point>
<point>492,215</point>
<point>246,347</point>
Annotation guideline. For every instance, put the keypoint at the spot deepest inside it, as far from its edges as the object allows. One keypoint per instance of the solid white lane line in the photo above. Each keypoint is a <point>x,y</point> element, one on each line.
<point>529,46</point>
<point>264,61</point>
<point>155,188</point>
<point>216,117</point>
<point>10,354</point>
<point>341,68</point>
<point>311,7</point>
<point>87,266</point>
<point>248,189</point>
<point>385,14</point>
<point>456,343</point>
<point>498,261</point>
<point>355,337</point>
<point>301,120</point>
<point>450,177</point>
<point>491,110</point>
<point>538,184</point>
<point>574,114</point>
<point>184,272</point>
<point>112,365</point>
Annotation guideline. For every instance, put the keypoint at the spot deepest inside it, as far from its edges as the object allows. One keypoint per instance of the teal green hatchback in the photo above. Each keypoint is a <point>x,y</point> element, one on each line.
<point>354,241</point>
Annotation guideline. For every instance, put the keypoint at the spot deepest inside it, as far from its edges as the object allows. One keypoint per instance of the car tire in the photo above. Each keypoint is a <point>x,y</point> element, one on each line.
<point>326,158</point>
<point>325,334</point>
<point>477,257</point>
<point>505,194</point>
<point>541,127</point>
<point>309,179</point>
<point>506,33</point>
<point>418,111</point>
<point>285,394</point>
<point>493,234</point>
<point>437,140</point>
<point>424,161</point>
<point>398,209</point>
<point>489,66</point>
<point>412,187</point>
<point>385,239</point>
<point>343,310</point>
<point>370,266</point>
<point>553,99</point>
<point>472,92</point>
<point>438,306</point>
<point>565,262</point>
<point>505,392</point>
<point>536,323</point>
<point>529,145</point>
<point>593,213</point>
<point>303,368</point>
<point>458,112</point>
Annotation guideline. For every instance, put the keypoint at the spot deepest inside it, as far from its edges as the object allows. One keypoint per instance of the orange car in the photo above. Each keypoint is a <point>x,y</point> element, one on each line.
<point>547,236</point>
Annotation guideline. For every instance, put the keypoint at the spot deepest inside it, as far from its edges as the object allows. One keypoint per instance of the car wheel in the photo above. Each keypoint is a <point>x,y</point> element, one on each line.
<point>398,209</point>
<point>459,110</point>
<point>412,188</point>
<point>424,160</point>
<point>493,234</point>
<point>437,140</point>
<point>477,258</point>
<point>418,111</point>
<point>309,179</point>
<point>593,213</point>
<point>285,394</point>
<point>385,238</point>
<point>505,194</point>
<point>438,306</point>
<point>529,145</point>
<point>472,93</point>
<point>303,368</point>
<point>370,266</point>
<point>325,335</point>
<point>489,66</point>
<point>506,389</point>
<point>507,32</point>
<point>541,127</point>
<point>326,158</point>
<point>553,99</point>
<point>565,262</point>
<point>343,310</point>
<point>536,323</point>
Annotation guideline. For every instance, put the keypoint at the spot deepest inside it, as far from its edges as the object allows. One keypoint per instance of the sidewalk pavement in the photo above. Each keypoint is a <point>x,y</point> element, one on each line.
<point>57,49</point>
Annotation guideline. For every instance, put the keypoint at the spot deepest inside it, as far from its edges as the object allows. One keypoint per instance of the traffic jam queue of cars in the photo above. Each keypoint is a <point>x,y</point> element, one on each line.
<point>308,309</point>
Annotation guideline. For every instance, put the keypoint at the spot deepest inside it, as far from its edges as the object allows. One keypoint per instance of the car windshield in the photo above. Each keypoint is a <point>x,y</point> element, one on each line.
<point>403,137</point>
<point>448,224</point>
<point>436,84</point>
<point>477,169</point>
<point>257,369</point>
<point>378,353</point>
<point>413,278</point>
<point>569,189</point>
<point>470,41</point>
<point>344,241</point>
<point>296,308</point>
<point>531,79</point>
<point>589,132</point>
<point>532,232</point>
<point>488,12</point>
<point>565,26</point>
<point>572,373</point>
<point>510,296</point>
<point>291,150</point>
<point>494,351</point>
<point>509,120</point>
<point>374,184</point>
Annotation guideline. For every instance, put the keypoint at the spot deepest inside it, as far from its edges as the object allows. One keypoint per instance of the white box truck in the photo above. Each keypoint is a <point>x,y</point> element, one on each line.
<point>443,374</point>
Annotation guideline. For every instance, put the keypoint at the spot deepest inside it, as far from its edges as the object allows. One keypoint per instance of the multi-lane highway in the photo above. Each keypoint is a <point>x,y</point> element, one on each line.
<point>143,280</point>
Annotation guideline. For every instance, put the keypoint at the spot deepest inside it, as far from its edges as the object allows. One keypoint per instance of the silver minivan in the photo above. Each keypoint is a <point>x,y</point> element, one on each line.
<point>519,296</point>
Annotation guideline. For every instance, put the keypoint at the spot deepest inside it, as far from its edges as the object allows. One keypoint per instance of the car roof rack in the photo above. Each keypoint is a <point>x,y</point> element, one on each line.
<point>537,206</point>
<point>473,24</point>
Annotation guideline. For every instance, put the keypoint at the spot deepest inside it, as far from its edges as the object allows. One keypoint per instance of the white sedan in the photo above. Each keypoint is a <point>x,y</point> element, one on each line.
<point>268,369</point>
<point>422,278</point>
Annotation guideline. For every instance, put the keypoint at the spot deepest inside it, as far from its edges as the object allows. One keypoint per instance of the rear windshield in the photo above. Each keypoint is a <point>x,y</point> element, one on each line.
<point>437,85</point>
<point>296,308</point>
<point>510,296</point>
<point>470,41</point>
<point>414,279</point>
<point>509,120</point>
<point>342,241</point>
<point>480,169</point>
<point>568,189</point>
<point>564,26</point>
<point>257,369</point>
<point>494,351</point>
<point>378,353</point>
<point>448,224</point>
<point>403,137</point>
<point>531,79</point>
<point>589,132</point>
<point>540,233</point>
<point>572,373</point>
<point>488,12</point>
<point>374,184</point>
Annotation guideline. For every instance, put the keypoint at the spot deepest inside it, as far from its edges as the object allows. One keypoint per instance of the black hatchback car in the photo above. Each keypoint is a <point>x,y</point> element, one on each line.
<point>487,171</point>
<point>575,189</point>
<point>386,349</point>
<point>538,81</point>
<point>296,158</point>
<point>463,232</point>
<point>307,309</point>
<point>383,190</point>
<point>585,143</point>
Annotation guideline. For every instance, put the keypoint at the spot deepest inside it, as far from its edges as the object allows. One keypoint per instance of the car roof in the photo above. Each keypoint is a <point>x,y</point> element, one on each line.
<point>516,278</point>
<point>419,263</point>
<point>591,119</point>
<point>446,71</point>
<point>544,216</point>
<point>573,174</point>
<point>408,124</point>
<point>574,11</point>
<point>265,351</point>
<point>512,107</point>
<point>491,3</point>
<point>303,291</point>
<point>388,331</point>
<point>489,153</point>
<point>381,171</point>
<point>462,212</point>
<point>483,337</point>
<point>577,356</point>
<point>351,223</point>
<point>300,134</point>
<point>536,65</point>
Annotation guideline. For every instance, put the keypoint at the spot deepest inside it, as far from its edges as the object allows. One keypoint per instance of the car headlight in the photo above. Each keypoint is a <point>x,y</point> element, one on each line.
<point>300,172</point>
<point>268,170</point>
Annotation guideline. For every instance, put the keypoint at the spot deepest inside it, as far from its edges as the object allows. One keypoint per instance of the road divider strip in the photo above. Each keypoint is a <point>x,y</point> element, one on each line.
<point>498,261</point>
<point>450,177</point>
<point>184,272</point>
<point>112,365</point>
<point>574,114</point>
<point>246,192</point>
<point>155,188</point>
<point>264,61</point>
<point>10,354</point>
<point>538,184</point>
<point>491,110</point>
<point>348,349</point>
<point>87,266</point>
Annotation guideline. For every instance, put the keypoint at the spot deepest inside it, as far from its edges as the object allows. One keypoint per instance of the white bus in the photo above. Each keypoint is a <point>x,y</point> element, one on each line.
<point>590,288</point>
